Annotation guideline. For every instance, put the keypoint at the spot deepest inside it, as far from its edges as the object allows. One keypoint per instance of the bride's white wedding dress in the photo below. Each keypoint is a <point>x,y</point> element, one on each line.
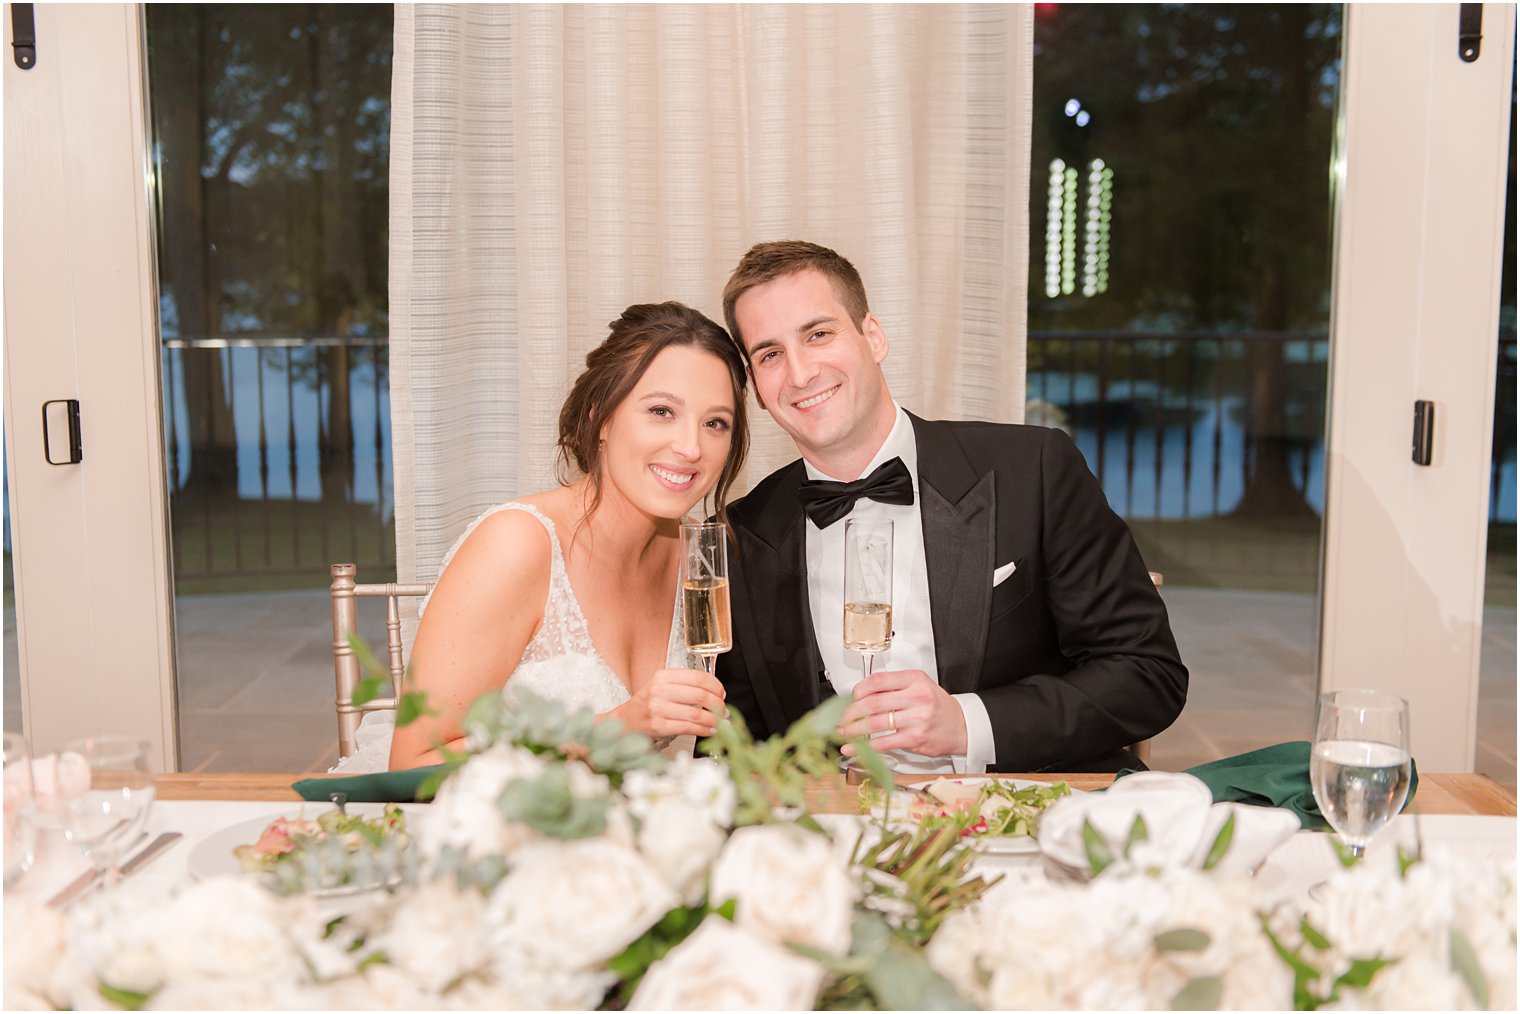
<point>560,663</point>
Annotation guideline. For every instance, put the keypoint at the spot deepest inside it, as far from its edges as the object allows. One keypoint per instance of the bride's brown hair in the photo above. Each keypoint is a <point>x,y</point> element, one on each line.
<point>614,368</point>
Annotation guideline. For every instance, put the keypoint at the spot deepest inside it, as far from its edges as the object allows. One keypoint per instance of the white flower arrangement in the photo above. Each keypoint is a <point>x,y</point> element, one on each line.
<point>568,867</point>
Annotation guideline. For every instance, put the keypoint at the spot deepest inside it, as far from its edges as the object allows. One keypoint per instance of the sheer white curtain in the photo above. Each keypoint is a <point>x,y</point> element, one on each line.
<point>553,164</point>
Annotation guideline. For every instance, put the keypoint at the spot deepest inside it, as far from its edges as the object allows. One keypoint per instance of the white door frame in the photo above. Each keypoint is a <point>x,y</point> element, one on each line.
<point>89,542</point>
<point>1420,228</point>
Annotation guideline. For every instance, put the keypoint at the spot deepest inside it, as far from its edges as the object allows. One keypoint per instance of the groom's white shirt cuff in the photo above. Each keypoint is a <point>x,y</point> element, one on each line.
<point>980,750</point>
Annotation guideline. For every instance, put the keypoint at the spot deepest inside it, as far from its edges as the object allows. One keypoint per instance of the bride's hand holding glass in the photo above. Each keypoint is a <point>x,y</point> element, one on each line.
<point>674,702</point>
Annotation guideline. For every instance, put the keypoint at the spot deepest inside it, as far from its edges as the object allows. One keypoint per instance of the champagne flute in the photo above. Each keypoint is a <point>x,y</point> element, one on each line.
<point>1359,769</point>
<point>704,590</point>
<point>867,587</point>
<point>105,820</point>
<point>20,824</point>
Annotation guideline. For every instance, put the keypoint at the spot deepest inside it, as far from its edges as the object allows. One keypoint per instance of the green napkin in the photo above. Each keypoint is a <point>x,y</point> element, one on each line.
<point>380,787</point>
<point>1272,776</point>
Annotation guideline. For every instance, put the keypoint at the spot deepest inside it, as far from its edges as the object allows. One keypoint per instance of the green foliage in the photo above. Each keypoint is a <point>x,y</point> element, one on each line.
<point>1306,977</point>
<point>1099,856</point>
<point>410,705</point>
<point>548,727</point>
<point>927,876</point>
<point>1202,993</point>
<point>126,999</point>
<point>883,971</point>
<point>549,805</point>
<point>1182,940</point>
<point>775,773</point>
<point>660,940</point>
<point>1464,961</point>
<point>1221,844</point>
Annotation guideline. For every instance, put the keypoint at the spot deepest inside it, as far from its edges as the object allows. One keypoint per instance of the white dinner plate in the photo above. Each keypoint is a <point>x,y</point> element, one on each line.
<point>212,855</point>
<point>1003,845</point>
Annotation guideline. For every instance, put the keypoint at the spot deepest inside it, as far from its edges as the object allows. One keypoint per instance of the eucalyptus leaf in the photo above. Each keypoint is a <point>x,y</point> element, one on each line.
<point>367,660</point>
<point>1099,856</point>
<point>1221,844</point>
<point>1312,936</point>
<point>1202,993</point>
<point>367,689</point>
<point>547,804</point>
<point>1360,974</point>
<point>1138,833</point>
<point>126,999</point>
<point>1464,961</point>
<point>412,706</point>
<point>1182,940</point>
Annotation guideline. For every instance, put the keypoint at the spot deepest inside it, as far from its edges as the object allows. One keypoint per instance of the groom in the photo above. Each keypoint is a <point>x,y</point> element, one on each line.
<point>1028,636</point>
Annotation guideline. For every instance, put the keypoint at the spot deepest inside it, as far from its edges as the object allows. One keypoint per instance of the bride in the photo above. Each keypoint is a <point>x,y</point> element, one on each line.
<point>572,593</point>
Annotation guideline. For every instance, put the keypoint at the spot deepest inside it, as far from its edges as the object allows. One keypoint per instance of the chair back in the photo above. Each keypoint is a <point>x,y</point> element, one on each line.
<point>346,591</point>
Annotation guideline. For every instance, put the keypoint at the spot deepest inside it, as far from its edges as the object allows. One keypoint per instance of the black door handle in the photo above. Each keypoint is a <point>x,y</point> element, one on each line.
<point>70,413</point>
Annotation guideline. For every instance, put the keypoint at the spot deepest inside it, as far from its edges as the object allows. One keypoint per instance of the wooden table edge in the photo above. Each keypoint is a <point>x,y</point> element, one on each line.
<point>1438,794</point>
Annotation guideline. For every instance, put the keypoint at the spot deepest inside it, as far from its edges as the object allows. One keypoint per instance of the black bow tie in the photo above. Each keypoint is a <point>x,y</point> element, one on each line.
<point>826,502</point>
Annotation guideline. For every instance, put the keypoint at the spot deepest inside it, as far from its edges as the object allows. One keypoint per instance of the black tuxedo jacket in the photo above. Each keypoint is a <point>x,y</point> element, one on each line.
<point>1072,654</point>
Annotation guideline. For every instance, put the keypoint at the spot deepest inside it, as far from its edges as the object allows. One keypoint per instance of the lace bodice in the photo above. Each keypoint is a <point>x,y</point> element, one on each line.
<point>560,662</point>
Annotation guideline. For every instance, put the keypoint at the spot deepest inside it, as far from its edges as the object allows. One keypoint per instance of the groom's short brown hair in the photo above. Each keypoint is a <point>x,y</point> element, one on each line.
<point>767,261</point>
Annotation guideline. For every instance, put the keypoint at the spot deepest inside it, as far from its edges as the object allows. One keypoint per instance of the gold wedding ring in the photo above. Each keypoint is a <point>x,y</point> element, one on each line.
<point>891,721</point>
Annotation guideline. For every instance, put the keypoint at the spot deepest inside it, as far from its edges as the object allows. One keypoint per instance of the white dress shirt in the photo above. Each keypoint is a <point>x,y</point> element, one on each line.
<point>912,644</point>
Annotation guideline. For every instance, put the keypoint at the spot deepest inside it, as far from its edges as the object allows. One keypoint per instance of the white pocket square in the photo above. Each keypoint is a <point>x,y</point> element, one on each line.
<point>1003,573</point>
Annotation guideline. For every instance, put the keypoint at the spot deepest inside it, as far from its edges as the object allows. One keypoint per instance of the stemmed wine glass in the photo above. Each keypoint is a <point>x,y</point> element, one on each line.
<point>704,589</point>
<point>867,587</point>
<point>1359,769</point>
<point>105,819</point>
<point>20,825</point>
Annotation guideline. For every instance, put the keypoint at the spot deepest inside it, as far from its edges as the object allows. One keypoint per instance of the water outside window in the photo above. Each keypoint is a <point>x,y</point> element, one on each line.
<point>270,136</point>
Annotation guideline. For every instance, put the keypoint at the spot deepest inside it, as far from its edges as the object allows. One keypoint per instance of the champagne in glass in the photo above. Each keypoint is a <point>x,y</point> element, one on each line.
<point>105,820</point>
<point>1359,768</point>
<point>867,587</point>
<point>704,590</point>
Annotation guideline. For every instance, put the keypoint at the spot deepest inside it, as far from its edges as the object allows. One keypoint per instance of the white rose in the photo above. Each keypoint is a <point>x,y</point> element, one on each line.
<point>35,945</point>
<point>464,813</point>
<point>789,886</point>
<point>437,934</point>
<point>579,902</point>
<point>704,783</point>
<point>215,993</point>
<point>723,967</point>
<point>531,982</point>
<point>680,842</point>
<point>379,987</point>
<point>227,927</point>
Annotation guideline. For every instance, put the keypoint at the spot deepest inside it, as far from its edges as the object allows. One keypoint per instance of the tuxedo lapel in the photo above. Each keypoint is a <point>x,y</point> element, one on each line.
<point>959,512</point>
<point>777,567</point>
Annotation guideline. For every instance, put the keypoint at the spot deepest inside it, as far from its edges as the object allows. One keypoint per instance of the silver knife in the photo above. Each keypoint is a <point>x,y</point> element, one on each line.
<point>89,878</point>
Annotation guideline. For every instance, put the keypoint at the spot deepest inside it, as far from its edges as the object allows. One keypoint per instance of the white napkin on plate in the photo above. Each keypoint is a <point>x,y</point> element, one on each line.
<point>1181,819</point>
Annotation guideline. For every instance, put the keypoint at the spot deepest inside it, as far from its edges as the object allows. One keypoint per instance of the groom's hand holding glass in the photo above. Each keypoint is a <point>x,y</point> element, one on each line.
<point>912,709</point>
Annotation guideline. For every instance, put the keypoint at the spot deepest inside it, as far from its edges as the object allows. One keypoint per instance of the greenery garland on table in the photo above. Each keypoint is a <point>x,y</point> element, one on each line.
<point>565,864</point>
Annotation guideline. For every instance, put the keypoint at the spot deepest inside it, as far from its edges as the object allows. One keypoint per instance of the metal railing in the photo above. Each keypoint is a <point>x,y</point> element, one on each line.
<point>1168,423</point>
<point>292,443</point>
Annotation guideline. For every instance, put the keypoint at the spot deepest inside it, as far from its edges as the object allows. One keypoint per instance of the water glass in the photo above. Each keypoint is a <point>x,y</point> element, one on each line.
<point>106,819</point>
<point>20,809</point>
<point>1359,768</point>
<point>704,590</point>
